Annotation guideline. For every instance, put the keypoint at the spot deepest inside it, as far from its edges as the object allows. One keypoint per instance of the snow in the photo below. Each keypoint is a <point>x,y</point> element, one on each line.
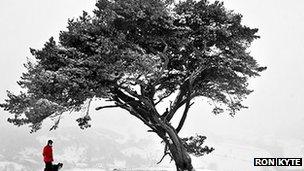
<point>133,169</point>
<point>87,169</point>
<point>8,166</point>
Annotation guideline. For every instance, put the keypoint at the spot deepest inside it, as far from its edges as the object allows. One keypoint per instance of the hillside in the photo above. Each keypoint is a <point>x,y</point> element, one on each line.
<point>75,148</point>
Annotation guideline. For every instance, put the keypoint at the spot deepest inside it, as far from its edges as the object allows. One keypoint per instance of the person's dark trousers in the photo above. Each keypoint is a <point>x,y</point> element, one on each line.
<point>48,166</point>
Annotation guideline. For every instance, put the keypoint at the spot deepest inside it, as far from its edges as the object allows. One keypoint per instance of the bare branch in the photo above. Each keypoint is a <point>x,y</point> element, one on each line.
<point>191,104</point>
<point>165,153</point>
<point>162,98</point>
<point>141,98</point>
<point>110,106</point>
<point>177,102</point>
<point>133,112</point>
<point>182,121</point>
<point>130,91</point>
<point>88,106</point>
<point>55,126</point>
<point>142,118</point>
<point>133,106</point>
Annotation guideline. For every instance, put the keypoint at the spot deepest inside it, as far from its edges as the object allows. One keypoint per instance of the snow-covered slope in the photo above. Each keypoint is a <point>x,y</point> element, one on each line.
<point>105,150</point>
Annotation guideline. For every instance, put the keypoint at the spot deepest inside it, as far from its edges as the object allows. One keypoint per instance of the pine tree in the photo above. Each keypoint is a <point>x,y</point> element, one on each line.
<point>136,54</point>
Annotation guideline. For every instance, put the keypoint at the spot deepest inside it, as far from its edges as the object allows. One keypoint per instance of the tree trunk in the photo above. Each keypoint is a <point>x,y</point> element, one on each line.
<point>169,134</point>
<point>177,149</point>
<point>181,158</point>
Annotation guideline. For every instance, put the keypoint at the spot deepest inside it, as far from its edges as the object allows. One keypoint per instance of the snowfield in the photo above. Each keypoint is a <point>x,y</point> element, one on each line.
<point>135,169</point>
<point>11,166</point>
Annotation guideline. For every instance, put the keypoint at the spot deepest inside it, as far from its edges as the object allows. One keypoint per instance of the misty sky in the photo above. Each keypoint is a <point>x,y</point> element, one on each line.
<point>275,107</point>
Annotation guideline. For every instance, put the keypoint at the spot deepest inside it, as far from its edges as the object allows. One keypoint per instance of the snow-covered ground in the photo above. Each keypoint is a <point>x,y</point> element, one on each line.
<point>84,151</point>
<point>82,169</point>
<point>11,166</point>
<point>135,169</point>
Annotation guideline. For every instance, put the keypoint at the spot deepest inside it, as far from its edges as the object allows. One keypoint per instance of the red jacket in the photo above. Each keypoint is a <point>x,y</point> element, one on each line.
<point>47,154</point>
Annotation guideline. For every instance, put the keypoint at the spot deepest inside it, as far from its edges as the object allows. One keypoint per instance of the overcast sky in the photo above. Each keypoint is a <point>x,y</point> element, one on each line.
<point>275,107</point>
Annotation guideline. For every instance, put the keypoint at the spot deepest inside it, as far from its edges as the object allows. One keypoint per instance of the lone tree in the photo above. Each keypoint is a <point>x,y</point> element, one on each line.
<point>136,54</point>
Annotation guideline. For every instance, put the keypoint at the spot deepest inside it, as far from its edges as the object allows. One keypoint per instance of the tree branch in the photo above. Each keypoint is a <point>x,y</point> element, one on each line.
<point>192,77</point>
<point>166,62</point>
<point>88,106</point>
<point>128,107</point>
<point>141,98</point>
<point>135,107</point>
<point>163,157</point>
<point>177,102</point>
<point>110,106</point>
<point>182,121</point>
<point>162,98</point>
<point>55,126</point>
<point>187,106</point>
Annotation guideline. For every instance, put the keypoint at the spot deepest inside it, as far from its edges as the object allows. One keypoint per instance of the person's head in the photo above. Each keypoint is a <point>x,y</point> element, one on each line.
<point>50,142</point>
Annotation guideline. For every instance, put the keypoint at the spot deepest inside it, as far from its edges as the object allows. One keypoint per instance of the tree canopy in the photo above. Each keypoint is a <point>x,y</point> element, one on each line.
<point>136,53</point>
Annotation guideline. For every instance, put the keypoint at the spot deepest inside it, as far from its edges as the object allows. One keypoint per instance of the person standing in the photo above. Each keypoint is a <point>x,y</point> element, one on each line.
<point>48,156</point>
